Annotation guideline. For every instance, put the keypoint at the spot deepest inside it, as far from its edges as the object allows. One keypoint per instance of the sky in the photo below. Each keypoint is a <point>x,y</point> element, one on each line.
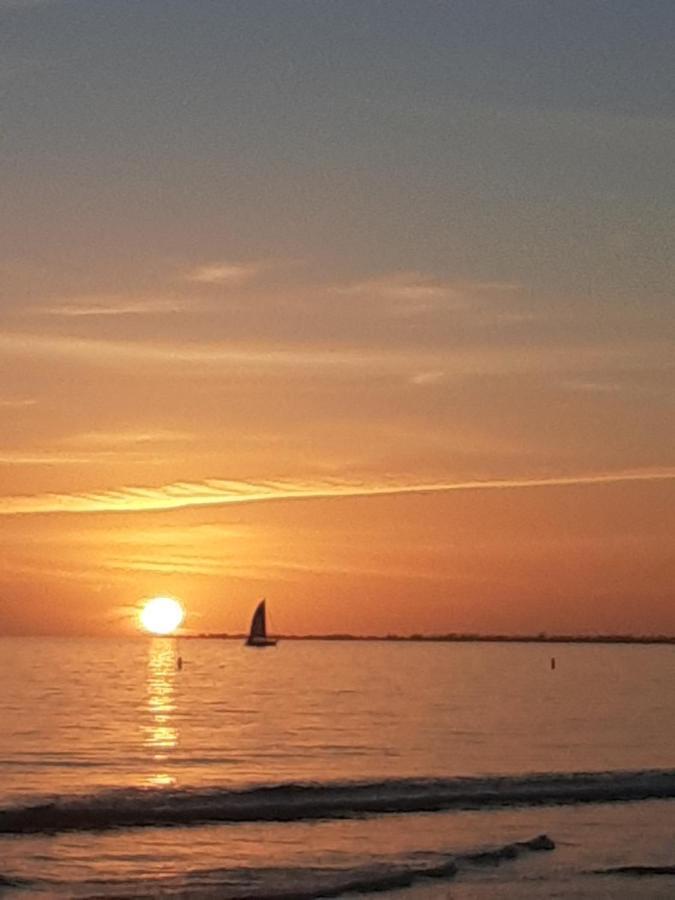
<point>365,307</point>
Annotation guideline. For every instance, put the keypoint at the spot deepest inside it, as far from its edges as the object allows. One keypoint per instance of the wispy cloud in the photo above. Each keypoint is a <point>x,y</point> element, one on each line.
<point>81,457</point>
<point>102,351</point>
<point>91,307</point>
<point>413,293</point>
<point>592,387</point>
<point>129,438</point>
<point>8,403</point>
<point>435,376</point>
<point>407,361</point>
<point>95,447</point>
<point>224,273</point>
<point>409,293</point>
<point>218,492</point>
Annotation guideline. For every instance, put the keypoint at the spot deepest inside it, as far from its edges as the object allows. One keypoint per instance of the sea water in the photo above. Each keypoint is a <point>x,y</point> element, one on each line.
<point>315,768</point>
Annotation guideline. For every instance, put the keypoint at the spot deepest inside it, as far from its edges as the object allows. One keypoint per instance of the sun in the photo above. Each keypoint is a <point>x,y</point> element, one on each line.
<point>162,615</point>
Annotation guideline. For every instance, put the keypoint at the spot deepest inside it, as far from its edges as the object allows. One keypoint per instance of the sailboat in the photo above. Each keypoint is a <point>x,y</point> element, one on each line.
<point>257,636</point>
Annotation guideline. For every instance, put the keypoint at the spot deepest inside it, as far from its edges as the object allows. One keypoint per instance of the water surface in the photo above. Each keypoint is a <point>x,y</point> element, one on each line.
<point>101,727</point>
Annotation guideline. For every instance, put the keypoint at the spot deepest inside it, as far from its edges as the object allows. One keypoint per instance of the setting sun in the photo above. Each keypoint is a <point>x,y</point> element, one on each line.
<point>162,615</point>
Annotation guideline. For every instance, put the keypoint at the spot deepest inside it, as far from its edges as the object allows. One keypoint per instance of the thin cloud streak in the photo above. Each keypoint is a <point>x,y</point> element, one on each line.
<point>412,294</point>
<point>17,404</point>
<point>106,307</point>
<point>480,359</point>
<point>110,351</point>
<point>20,458</point>
<point>129,438</point>
<point>216,492</point>
<point>411,285</point>
<point>223,273</point>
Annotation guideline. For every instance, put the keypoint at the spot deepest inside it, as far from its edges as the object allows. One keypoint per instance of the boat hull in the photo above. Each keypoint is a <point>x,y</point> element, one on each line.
<point>261,642</point>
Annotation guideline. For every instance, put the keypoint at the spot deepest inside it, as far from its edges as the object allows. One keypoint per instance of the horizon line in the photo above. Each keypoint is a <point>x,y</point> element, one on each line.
<point>446,637</point>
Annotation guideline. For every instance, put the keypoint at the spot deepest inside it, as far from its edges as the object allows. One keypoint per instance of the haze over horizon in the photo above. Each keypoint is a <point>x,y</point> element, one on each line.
<point>363,307</point>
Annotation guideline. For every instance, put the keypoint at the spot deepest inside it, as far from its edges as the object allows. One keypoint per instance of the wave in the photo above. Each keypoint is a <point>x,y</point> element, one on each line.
<point>286,802</point>
<point>637,871</point>
<point>305,883</point>
<point>7,881</point>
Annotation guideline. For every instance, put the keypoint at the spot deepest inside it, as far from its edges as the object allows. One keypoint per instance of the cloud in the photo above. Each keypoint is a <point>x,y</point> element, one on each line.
<point>409,293</point>
<point>592,387</point>
<point>433,377</point>
<point>110,306</point>
<point>16,404</point>
<point>218,492</point>
<point>102,352</point>
<point>413,293</point>
<point>129,438</point>
<point>224,273</point>
<point>404,361</point>
<point>95,447</point>
<point>36,458</point>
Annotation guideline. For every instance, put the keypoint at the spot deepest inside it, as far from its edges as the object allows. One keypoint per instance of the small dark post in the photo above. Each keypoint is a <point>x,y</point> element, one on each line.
<point>552,663</point>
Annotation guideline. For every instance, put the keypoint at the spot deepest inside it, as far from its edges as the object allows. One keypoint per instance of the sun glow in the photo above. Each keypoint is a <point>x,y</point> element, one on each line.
<point>161,615</point>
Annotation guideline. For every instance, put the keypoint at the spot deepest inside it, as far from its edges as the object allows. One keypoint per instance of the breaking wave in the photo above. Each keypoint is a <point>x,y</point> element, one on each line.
<point>637,871</point>
<point>286,802</point>
<point>306,883</point>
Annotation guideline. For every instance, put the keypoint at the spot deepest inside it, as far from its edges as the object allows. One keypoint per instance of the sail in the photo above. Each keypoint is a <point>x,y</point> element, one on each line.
<point>257,636</point>
<point>258,628</point>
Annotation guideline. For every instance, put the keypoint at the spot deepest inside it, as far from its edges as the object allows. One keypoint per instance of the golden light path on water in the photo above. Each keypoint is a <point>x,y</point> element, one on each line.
<point>161,616</point>
<point>160,731</point>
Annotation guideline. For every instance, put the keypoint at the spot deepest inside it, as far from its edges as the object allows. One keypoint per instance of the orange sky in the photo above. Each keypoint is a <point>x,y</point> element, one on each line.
<point>398,359</point>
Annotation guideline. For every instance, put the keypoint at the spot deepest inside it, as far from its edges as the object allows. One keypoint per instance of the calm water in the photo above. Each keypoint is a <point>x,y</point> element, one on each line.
<point>113,737</point>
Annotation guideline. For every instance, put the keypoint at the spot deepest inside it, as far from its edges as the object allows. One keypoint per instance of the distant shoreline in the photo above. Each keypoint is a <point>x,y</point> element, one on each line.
<point>459,638</point>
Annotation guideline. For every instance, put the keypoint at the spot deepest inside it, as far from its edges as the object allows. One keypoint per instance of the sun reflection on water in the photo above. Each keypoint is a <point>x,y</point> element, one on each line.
<point>160,732</point>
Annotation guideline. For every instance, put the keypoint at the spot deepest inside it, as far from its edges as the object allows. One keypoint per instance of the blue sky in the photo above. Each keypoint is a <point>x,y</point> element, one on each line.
<point>486,139</point>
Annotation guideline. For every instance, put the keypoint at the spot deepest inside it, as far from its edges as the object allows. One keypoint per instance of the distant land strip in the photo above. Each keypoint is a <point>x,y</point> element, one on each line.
<point>461,638</point>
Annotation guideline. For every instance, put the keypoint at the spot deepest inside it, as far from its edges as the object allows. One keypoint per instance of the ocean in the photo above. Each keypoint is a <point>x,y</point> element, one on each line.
<point>321,769</point>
